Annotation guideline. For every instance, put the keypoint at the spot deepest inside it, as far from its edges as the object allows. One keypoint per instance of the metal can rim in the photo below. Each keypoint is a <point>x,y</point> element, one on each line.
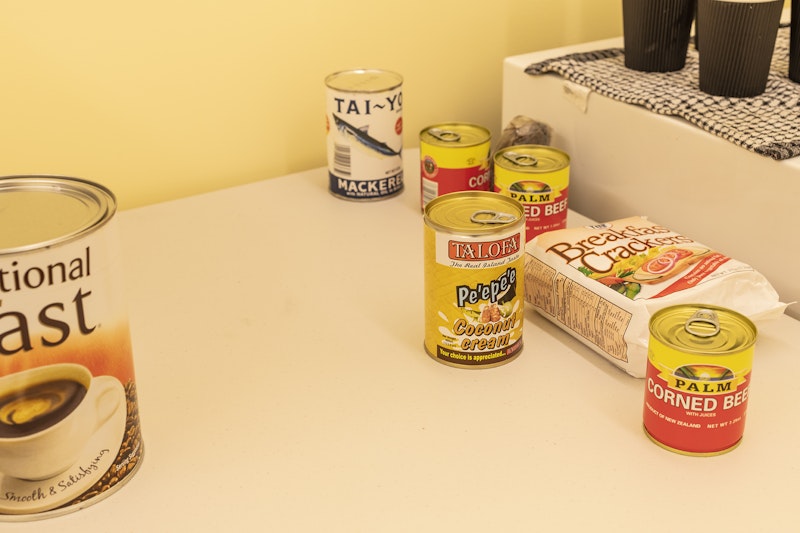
<point>396,82</point>
<point>562,156</point>
<point>749,339</point>
<point>477,127</point>
<point>487,229</point>
<point>98,198</point>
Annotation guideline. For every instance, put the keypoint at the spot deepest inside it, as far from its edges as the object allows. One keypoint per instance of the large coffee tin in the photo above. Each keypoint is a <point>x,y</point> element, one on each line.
<point>474,301</point>
<point>364,124</point>
<point>69,422</point>
<point>699,361</point>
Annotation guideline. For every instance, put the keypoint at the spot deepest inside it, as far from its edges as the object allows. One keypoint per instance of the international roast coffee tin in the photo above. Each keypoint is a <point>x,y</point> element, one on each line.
<point>538,178</point>
<point>454,157</point>
<point>69,422</point>
<point>474,243</point>
<point>364,124</point>
<point>699,362</point>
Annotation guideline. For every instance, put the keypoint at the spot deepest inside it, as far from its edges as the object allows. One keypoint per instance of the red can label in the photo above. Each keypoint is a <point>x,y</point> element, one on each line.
<point>438,181</point>
<point>696,415</point>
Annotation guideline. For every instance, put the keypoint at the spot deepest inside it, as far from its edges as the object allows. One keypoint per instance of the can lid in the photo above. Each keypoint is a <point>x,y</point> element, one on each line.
<point>473,212</point>
<point>531,158</point>
<point>703,329</point>
<point>455,135</point>
<point>364,80</point>
<point>47,210</point>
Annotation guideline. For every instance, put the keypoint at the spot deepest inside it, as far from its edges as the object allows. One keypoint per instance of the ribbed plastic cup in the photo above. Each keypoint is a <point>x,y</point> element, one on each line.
<point>738,43</point>
<point>656,33</point>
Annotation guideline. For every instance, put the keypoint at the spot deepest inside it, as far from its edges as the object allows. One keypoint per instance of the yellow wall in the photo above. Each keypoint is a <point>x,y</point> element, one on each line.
<point>159,99</point>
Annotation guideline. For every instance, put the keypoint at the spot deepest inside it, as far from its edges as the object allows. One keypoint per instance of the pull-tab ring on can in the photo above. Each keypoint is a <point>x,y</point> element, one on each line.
<point>447,136</point>
<point>698,324</point>
<point>495,217</point>
<point>523,160</point>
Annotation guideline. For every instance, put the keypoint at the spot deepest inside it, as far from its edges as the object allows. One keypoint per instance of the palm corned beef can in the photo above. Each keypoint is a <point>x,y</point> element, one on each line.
<point>474,244</point>
<point>537,177</point>
<point>454,157</point>
<point>69,421</point>
<point>699,362</point>
<point>364,124</point>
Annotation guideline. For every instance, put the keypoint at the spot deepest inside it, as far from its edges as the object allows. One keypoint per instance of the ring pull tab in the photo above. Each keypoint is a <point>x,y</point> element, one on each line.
<point>703,323</point>
<point>447,136</point>
<point>522,160</point>
<point>492,217</point>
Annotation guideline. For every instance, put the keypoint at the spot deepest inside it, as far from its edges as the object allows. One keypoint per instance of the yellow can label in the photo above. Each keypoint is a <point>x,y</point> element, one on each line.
<point>474,301</point>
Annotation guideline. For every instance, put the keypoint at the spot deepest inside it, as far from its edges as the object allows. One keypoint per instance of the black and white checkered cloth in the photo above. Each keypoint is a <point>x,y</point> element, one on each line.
<point>768,124</point>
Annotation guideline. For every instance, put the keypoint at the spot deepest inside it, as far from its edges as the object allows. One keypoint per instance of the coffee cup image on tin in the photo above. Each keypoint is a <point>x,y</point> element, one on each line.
<point>48,414</point>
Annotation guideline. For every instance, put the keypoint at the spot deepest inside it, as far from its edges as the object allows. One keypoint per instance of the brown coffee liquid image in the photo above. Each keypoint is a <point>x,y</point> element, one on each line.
<point>38,407</point>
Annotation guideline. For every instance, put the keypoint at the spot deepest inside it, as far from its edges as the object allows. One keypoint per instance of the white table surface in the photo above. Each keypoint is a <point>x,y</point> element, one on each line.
<point>283,386</point>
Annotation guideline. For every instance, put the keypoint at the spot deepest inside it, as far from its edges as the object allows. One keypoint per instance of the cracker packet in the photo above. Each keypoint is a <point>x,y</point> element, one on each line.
<point>602,283</point>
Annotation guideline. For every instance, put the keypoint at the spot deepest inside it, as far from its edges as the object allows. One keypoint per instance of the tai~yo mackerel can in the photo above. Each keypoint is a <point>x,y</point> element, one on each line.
<point>69,422</point>
<point>454,157</point>
<point>699,361</point>
<point>538,177</point>
<point>365,134</point>
<point>474,244</point>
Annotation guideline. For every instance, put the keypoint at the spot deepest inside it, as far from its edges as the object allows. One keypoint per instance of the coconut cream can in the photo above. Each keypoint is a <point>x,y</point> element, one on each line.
<point>474,303</point>
<point>69,421</point>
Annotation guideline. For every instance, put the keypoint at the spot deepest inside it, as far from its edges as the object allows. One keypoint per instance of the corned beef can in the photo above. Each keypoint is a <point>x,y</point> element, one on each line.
<point>454,157</point>
<point>474,246</point>
<point>537,177</point>
<point>364,124</point>
<point>69,422</point>
<point>697,383</point>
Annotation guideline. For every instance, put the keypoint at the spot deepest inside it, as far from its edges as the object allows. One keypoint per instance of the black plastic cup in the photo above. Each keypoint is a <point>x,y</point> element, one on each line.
<point>656,33</point>
<point>738,43</point>
<point>794,42</point>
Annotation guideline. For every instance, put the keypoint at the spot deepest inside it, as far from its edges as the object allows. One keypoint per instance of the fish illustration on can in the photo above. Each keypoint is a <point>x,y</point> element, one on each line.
<point>363,137</point>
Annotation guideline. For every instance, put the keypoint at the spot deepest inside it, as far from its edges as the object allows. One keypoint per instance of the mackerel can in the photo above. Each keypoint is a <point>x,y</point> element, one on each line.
<point>699,362</point>
<point>474,244</point>
<point>538,177</point>
<point>69,422</point>
<point>364,124</point>
<point>454,157</point>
